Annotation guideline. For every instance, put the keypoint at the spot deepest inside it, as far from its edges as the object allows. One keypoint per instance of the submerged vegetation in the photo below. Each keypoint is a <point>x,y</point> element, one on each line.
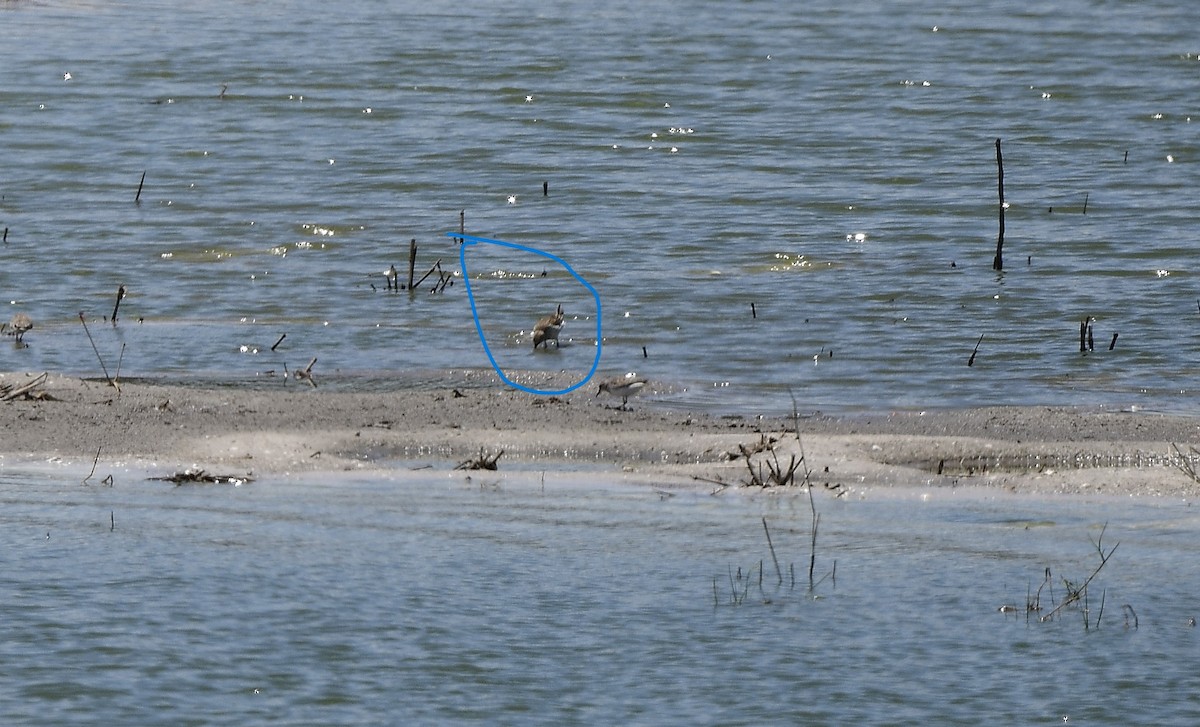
<point>1075,595</point>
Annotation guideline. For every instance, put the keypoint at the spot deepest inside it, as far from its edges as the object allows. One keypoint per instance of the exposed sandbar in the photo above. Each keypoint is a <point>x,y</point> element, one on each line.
<point>271,427</point>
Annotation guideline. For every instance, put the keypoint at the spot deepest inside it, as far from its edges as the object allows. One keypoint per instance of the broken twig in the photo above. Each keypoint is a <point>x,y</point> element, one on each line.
<point>23,390</point>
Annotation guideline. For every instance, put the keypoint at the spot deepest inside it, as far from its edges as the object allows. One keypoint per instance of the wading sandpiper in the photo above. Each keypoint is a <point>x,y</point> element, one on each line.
<point>17,327</point>
<point>546,329</point>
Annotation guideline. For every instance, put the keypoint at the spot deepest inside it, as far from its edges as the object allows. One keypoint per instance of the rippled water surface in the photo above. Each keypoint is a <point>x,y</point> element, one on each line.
<point>426,598</point>
<point>766,196</point>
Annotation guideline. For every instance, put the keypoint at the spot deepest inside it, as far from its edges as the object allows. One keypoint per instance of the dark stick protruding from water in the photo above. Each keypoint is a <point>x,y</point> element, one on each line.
<point>1085,201</point>
<point>281,337</point>
<point>545,189</point>
<point>644,354</point>
<point>753,312</point>
<point>117,305</point>
<point>1086,341</point>
<point>137,198</point>
<point>1113,344</point>
<point>998,261</point>
<point>5,235</point>
<point>436,266</point>
<point>412,261</point>
<point>971,360</point>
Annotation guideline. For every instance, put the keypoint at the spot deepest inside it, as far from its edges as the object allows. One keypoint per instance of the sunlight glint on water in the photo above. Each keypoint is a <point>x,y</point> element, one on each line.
<point>685,151</point>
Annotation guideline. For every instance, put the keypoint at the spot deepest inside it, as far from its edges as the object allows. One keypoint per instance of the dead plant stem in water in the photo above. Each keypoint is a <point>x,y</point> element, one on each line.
<point>812,503</point>
<point>1074,594</point>
<point>771,545</point>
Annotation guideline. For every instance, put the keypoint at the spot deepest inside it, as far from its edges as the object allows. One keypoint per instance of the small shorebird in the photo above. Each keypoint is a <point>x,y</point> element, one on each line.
<point>623,386</point>
<point>19,324</point>
<point>547,329</point>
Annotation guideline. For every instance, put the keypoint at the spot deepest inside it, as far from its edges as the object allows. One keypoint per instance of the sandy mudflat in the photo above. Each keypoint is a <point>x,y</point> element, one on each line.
<point>271,427</point>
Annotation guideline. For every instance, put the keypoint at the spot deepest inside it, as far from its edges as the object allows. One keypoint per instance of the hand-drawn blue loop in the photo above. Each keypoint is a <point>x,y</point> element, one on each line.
<point>462,258</point>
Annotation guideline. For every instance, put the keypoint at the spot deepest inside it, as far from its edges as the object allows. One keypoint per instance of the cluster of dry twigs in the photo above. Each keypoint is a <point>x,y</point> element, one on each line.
<point>1186,463</point>
<point>778,474</point>
<point>483,462</point>
<point>29,391</point>
<point>392,276</point>
<point>1076,594</point>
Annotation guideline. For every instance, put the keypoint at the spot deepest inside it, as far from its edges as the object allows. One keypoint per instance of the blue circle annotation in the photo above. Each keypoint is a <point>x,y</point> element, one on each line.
<point>468,240</point>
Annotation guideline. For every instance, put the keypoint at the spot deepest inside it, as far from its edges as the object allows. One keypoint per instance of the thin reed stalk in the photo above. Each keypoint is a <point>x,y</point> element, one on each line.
<point>98,356</point>
<point>771,545</point>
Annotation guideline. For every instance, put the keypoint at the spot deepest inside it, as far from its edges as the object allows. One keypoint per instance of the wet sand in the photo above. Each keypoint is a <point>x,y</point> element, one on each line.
<point>275,427</point>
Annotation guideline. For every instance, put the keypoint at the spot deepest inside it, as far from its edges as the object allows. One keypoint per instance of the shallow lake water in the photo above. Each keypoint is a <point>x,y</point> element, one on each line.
<point>767,197</point>
<point>423,597</point>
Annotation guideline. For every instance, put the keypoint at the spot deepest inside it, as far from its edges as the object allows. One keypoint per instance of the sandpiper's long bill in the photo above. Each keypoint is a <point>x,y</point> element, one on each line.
<point>546,329</point>
<point>623,386</point>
